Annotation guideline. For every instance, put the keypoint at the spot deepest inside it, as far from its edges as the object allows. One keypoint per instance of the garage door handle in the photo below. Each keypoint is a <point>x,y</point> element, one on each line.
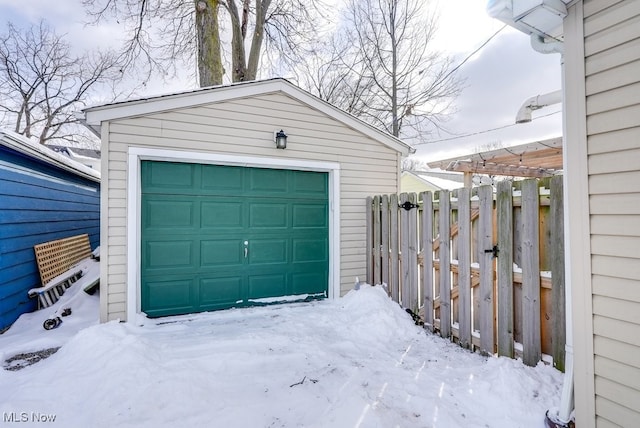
<point>246,249</point>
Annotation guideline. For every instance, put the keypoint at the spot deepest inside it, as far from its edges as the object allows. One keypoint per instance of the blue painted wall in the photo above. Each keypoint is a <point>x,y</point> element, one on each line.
<point>38,203</point>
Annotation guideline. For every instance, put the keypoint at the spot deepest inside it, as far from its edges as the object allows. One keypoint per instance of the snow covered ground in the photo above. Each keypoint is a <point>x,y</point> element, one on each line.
<point>358,361</point>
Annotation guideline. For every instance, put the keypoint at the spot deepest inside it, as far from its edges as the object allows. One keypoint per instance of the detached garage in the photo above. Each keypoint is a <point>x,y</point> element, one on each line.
<point>232,196</point>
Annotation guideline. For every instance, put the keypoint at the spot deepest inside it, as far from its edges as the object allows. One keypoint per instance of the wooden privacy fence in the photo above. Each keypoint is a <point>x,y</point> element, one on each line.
<point>496,283</point>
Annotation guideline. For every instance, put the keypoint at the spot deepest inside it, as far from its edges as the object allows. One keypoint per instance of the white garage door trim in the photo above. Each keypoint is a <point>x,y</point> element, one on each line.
<point>137,154</point>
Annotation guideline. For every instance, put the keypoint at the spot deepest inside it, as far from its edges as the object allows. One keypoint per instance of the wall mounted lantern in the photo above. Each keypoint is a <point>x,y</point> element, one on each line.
<point>281,140</point>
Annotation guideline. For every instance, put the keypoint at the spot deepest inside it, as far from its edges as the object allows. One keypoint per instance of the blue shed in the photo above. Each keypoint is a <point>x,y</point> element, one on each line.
<point>43,196</point>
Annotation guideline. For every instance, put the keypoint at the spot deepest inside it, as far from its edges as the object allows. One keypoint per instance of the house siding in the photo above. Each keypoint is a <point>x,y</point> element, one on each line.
<point>612,86</point>
<point>245,127</point>
<point>412,184</point>
<point>38,203</point>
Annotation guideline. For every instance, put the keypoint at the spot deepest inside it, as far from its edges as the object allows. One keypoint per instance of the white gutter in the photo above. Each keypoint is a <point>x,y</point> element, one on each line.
<point>536,103</point>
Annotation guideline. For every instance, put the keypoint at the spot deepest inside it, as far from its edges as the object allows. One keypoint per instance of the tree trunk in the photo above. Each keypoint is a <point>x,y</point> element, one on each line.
<point>238,27</point>
<point>395,128</point>
<point>210,68</point>
<point>262,6</point>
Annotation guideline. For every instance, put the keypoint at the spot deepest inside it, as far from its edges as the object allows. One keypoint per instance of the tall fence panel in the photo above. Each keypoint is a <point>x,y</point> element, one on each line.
<point>483,267</point>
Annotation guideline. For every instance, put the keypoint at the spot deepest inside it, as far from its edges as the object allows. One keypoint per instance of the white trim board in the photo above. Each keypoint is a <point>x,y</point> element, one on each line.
<point>138,154</point>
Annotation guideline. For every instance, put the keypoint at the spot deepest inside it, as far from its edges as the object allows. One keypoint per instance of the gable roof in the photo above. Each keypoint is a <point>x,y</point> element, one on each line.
<point>94,116</point>
<point>35,150</point>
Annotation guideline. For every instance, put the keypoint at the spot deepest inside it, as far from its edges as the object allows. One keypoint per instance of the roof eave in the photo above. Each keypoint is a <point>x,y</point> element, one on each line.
<point>27,147</point>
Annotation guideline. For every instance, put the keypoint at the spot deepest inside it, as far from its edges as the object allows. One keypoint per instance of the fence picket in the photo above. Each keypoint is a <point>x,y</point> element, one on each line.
<point>404,253</point>
<point>557,273</point>
<point>464,267</point>
<point>427,258</point>
<point>531,352</point>
<point>444,228</point>
<point>376,240</point>
<point>369,255</point>
<point>394,248</point>
<point>384,223</point>
<point>485,259</point>
<point>504,200</point>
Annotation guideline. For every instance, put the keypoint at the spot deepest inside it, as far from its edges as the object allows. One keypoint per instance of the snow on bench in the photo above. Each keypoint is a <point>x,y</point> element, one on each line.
<point>58,264</point>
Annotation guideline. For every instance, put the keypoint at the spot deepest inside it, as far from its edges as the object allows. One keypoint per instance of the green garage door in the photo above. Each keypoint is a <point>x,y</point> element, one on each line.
<point>215,237</point>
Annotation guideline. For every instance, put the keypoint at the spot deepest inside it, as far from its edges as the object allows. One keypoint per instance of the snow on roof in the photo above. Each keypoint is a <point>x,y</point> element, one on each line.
<point>439,182</point>
<point>38,151</point>
<point>443,183</point>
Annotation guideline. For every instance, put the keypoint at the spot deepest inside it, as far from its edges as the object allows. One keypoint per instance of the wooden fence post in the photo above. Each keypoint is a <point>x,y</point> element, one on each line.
<point>394,248</point>
<point>464,267</point>
<point>384,220</point>
<point>369,244</point>
<point>531,353</point>
<point>427,258</point>
<point>505,268</point>
<point>376,240</point>
<point>445,263</point>
<point>558,335</point>
<point>485,258</point>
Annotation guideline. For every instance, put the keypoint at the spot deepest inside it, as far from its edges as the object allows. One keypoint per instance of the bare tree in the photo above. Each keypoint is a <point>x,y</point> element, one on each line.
<point>42,84</point>
<point>387,72</point>
<point>163,31</point>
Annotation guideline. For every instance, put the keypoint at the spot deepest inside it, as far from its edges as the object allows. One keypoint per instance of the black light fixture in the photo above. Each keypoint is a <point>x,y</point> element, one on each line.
<point>281,140</point>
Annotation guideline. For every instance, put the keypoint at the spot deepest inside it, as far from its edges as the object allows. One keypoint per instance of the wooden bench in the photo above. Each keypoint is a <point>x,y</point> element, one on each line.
<point>57,263</point>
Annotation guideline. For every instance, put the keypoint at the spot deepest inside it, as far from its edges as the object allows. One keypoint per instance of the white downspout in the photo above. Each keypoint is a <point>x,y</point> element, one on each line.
<point>560,416</point>
<point>563,416</point>
<point>535,103</point>
<point>566,399</point>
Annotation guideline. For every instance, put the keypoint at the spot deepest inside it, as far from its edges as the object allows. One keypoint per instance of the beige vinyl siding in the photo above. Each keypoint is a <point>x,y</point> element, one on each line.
<point>411,184</point>
<point>246,126</point>
<point>612,64</point>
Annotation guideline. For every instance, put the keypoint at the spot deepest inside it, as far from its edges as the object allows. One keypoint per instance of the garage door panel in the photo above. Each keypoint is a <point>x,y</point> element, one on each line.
<point>221,252</point>
<point>220,292</point>
<point>162,176</point>
<point>309,215</point>
<point>168,214</point>
<point>263,181</point>
<point>169,254</point>
<point>221,215</point>
<point>164,297</point>
<point>313,283</point>
<point>268,251</point>
<point>264,286</point>
<point>268,215</point>
<point>310,250</point>
<point>310,184</point>
<point>222,180</point>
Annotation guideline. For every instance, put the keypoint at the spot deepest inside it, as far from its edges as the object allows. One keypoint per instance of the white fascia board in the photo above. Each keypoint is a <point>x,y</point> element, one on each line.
<point>94,116</point>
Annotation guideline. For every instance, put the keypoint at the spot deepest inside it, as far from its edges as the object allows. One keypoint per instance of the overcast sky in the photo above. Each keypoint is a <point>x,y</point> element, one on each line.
<point>499,77</point>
